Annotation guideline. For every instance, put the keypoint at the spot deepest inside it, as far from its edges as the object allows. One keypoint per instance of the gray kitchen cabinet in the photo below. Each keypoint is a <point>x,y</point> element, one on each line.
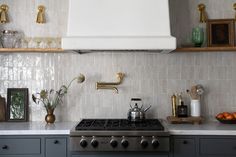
<point>20,146</point>
<point>203,146</point>
<point>217,146</point>
<point>184,147</point>
<point>56,147</point>
<point>34,146</point>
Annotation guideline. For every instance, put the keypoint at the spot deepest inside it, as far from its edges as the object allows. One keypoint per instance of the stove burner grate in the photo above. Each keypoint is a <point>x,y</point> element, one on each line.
<point>119,124</point>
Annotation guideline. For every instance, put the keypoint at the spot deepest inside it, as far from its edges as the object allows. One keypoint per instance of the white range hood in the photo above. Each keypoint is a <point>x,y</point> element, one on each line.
<point>119,25</point>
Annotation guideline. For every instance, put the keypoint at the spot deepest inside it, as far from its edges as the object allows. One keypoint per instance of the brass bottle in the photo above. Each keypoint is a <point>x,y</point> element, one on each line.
<point>174,105</point>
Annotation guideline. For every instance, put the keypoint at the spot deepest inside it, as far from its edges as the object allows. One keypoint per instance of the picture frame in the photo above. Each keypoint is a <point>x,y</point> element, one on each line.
<point>220,32</point>
<point>17,105</point>
<point>2,109</point>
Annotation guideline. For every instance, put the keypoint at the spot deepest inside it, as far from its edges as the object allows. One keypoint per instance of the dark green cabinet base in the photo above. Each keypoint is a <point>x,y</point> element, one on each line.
<point>34,146</point>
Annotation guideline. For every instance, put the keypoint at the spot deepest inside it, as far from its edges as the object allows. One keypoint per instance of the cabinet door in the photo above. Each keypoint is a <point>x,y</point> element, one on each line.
<point>184,147</point>
<point>56,147</point>
<point>220,147</point>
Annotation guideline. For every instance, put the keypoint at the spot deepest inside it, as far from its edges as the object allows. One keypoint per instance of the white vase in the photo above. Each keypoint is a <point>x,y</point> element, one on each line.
<point>195,108</point>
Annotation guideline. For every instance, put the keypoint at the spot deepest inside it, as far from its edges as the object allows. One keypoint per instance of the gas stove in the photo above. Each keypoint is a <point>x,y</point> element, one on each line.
<point>119,135</point>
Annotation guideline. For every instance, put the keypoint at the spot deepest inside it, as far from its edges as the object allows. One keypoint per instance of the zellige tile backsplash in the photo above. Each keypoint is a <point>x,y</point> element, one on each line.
<point>145,77</point>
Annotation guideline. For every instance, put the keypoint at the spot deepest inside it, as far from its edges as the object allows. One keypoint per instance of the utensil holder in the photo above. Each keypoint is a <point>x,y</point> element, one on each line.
<point>195,108</point>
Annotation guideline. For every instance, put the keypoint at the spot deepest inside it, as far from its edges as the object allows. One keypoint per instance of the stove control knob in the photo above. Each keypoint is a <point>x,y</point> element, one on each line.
<point>113,143</point>
<point>83,143</point>
<point>94,143</point>
<point>124,143</point>
<point>144,142</point>
<point>155,143</point>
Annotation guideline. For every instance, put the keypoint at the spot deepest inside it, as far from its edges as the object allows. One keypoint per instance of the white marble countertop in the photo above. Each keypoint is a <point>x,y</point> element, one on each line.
<point>36,128</point>
<point>207,128</point>
<point>63,128</point>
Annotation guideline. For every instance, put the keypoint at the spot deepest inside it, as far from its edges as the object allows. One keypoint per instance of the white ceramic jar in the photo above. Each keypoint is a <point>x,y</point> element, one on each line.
<point>195,108</point>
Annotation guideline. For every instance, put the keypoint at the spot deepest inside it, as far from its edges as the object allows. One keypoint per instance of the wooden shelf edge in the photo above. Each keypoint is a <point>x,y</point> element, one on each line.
<point>205,49</point>
<point>4,50</point>
<point>182,49</point>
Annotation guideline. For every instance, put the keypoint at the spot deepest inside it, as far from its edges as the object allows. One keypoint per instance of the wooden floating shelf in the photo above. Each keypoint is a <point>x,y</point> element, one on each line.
<point>49,50</point>
<point>205,49</point>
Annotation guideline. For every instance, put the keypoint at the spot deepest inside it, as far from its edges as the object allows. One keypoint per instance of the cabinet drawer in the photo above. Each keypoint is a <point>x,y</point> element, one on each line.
<point>56,147</point>
<point>220,146</point>
<point>18,146</point>
<point>184,147</point>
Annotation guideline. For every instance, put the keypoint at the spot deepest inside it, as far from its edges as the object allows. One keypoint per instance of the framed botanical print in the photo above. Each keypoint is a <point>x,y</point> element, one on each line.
<point>17,104</point>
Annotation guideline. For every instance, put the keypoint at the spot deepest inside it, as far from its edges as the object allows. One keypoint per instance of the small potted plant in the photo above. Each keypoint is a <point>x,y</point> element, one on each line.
<point>51,98</point>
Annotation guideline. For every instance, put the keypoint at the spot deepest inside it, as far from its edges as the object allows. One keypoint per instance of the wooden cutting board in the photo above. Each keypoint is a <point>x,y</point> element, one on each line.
<point>182,120</point>
<point>2,109</point>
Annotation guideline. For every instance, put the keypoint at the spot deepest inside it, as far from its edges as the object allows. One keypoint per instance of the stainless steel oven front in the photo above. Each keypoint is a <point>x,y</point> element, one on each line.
<point>130,140</point>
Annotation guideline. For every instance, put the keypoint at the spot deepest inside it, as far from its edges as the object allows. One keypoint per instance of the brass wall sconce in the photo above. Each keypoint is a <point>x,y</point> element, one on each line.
<point>203,14</point>
<point>111,85</point>
<point>41,14</point>
<point>235,10</point>
<point>3,13</point>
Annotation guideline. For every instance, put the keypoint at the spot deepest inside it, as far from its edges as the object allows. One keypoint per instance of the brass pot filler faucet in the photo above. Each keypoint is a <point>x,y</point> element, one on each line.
<point>111,85</point>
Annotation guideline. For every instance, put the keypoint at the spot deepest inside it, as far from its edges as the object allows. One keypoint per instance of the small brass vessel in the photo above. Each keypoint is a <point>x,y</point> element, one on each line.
<point>50,117</point>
